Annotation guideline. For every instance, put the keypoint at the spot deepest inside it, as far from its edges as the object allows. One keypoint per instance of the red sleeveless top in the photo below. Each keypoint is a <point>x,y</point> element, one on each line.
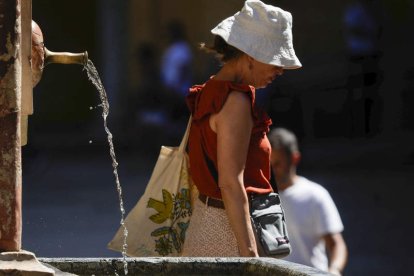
<point>209,98</point>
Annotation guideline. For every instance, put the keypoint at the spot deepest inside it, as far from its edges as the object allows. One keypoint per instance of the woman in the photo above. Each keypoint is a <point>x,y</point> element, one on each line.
<point>228,148</point>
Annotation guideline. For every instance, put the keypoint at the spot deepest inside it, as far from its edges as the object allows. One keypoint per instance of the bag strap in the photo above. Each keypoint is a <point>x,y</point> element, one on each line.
<point>273,182</point>
<point>210,165</point>
<point>213,171</point>
<point>184,141</point>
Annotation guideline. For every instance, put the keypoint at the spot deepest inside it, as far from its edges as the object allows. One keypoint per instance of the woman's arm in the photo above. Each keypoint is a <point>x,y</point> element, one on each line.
<point>233,125</point>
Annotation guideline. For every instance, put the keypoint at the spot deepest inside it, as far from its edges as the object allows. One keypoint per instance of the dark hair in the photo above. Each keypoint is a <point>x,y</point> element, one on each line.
<point>283,139</point>
<point>223,51</point>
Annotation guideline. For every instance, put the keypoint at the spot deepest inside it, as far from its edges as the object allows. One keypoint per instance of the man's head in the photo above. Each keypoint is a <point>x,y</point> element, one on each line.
<point>285,155</point>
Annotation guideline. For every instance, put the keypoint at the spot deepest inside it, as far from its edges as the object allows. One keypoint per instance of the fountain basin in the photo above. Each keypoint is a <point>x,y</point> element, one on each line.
<point>181,266</point>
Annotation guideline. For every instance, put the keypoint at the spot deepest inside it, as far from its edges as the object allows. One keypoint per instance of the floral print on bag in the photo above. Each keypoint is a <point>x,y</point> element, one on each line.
<point>176,208</point>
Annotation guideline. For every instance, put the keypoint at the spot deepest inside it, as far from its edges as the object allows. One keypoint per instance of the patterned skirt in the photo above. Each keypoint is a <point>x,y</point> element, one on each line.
<point>209,233</point>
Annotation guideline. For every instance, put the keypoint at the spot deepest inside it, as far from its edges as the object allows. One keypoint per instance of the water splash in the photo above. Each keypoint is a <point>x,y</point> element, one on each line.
<point>95,79</point>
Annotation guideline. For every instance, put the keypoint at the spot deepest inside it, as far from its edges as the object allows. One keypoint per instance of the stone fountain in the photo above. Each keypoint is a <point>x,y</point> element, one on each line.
<point>22,58</point>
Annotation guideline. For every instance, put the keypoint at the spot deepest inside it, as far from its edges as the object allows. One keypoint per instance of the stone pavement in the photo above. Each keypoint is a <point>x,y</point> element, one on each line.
<point>71,208</point>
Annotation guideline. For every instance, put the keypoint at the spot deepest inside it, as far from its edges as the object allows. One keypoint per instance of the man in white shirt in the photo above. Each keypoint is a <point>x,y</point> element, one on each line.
<point>313,222</point>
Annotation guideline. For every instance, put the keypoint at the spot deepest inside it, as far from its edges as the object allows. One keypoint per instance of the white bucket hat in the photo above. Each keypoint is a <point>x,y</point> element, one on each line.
<point>262,31</point>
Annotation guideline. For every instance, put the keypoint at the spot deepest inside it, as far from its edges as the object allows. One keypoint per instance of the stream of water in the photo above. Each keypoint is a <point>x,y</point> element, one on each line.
<point>95,79</point>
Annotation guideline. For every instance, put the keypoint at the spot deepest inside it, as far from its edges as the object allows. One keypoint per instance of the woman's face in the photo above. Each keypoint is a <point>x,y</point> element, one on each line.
<point>263,74</point>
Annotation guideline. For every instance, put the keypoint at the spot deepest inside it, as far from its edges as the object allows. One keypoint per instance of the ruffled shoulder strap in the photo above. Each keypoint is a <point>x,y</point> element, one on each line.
<point>210,97</point>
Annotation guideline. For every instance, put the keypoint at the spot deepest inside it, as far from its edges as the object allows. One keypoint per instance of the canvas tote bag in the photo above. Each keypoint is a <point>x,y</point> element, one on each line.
<point>158,222</point>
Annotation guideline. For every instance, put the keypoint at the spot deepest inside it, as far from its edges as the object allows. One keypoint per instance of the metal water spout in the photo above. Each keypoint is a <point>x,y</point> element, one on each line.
<point>41,56</point>
<point>65,57</point>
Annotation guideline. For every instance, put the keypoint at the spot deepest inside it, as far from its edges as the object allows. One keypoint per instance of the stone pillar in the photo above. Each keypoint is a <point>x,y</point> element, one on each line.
<point>10,151</point>
<point>15,48</point>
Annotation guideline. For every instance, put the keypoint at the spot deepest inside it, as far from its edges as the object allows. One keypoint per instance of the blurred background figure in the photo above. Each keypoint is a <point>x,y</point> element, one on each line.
<point>150,103</point>
<point>176,69</point>
<point>146,102</point>
<point>362,30</point>
<point>313,222</point>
